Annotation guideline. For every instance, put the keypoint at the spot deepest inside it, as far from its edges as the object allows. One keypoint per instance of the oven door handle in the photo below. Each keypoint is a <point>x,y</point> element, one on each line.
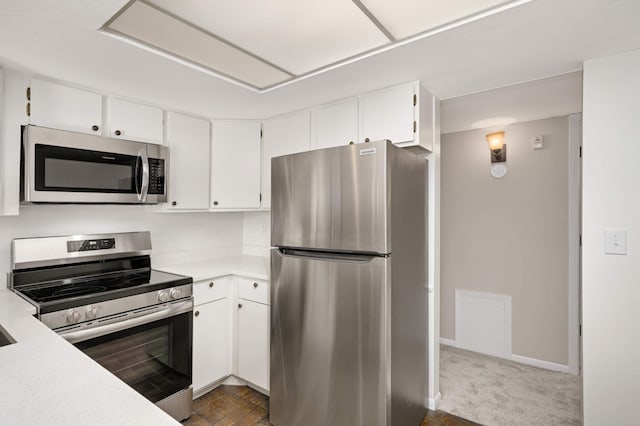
<point>102,330</point>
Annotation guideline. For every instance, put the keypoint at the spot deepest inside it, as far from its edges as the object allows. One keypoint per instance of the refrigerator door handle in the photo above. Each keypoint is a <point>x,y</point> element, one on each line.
<point>344,257</point>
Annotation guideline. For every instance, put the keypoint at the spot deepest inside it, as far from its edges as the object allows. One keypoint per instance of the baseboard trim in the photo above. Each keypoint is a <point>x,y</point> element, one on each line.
<point>448,342</point>
<point>540,363</point>
<point>432,403</point>
<point>547,365</point>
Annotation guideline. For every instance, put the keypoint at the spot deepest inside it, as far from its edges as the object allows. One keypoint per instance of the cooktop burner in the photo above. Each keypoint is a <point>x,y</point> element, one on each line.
<point>74,287</point>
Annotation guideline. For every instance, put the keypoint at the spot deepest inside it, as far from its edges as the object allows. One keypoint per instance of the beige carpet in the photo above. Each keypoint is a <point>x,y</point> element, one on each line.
<point>496,392</point>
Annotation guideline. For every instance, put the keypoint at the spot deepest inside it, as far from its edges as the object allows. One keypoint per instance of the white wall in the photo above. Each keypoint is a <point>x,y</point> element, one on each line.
<point>611,199</point>
<point>175,236</point>
<point>509,236</point>
<point>256,234</point>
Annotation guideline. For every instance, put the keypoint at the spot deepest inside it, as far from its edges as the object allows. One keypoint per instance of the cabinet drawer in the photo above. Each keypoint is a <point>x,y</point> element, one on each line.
<point>256,290</point>
<point>209,290</point>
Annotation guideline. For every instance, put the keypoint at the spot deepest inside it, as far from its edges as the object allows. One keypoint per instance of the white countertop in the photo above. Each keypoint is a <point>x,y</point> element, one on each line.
<point>247,266</point>
<point>44,380</point>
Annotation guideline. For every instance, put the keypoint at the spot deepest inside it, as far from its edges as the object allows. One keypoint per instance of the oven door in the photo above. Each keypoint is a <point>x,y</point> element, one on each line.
<point>152,353</point>
<point>67,167</point>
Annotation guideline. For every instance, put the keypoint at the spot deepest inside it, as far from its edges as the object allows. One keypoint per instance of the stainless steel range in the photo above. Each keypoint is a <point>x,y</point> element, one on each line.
<point>100,293</point>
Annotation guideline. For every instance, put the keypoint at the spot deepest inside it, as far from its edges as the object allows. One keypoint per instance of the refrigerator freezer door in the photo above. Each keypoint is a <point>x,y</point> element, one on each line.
<point>332,199</point>
<point>329,341</point>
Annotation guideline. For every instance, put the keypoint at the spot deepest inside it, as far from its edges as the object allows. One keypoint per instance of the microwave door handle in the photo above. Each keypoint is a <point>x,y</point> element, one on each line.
<point>144,188</point>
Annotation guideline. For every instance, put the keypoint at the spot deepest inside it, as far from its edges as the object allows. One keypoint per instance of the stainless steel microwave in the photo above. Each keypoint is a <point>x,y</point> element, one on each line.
<point>58,166</point>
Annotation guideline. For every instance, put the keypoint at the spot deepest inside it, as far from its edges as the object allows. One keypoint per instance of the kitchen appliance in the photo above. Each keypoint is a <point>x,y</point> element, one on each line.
<point>100,293</point>
<point>348,287</point>
<point>67,167</point>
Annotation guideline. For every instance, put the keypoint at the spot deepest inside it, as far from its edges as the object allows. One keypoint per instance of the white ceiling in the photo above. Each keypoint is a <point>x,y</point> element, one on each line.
<point>297,35</point>
<point>262,44</point>
<point>535,100</point>
<point>538,39</point>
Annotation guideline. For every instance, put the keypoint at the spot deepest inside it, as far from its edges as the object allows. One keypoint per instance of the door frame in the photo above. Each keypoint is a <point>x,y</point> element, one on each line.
<point>575,229</point>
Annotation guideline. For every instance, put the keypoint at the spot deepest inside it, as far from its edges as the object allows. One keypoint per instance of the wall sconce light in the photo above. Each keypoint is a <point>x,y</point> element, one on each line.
<point>498,154</point>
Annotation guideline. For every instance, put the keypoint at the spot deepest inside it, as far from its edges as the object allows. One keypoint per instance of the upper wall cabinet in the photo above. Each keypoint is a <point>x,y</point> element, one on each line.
<point>388,114</point>
<point>404,114</point>
<point>67,108</point>
<point>235,164</point>
<point>336,125</point>
<point>281,136</point>
<point>133,121</point>
<point>188,140</point>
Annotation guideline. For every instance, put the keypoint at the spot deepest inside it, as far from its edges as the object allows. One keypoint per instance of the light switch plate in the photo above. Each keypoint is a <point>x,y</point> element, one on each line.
<point>615,241</point>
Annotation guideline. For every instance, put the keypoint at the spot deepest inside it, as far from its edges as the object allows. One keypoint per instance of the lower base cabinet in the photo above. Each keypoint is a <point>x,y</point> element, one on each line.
<point>231,331</point>
<point>253,342</point>
<point>211,342</point>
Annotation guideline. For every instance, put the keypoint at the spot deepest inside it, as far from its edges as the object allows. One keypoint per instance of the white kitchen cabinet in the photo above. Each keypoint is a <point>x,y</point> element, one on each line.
<point>188,140</point>
<point>282,135</point>
<point>66,108</point>
<point>253,342</point>
<point>336,124</point>
<point>134,121</point>
<point>388,114</point>
<point>235,164</point>
<point>211,342</point>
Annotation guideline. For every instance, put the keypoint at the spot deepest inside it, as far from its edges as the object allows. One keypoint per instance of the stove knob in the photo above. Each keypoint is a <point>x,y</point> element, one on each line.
<point>176,293</point>
<point>72,316</point>
<point>163,296</point>
<point>91,312</point>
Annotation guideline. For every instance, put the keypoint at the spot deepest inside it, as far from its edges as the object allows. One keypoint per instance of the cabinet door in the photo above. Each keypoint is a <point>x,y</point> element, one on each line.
<point>235,164</point>
<point>253,342</point>
<point>67,108</point>
<point>388,115</point>
<point>336,125</point>
<point>137,122</point>
<point>281,136</point>
<point>211,342</point>
<point>188,140</point>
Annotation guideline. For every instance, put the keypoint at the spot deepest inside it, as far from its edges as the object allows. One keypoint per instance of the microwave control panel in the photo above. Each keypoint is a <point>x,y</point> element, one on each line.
<point>156,176</point>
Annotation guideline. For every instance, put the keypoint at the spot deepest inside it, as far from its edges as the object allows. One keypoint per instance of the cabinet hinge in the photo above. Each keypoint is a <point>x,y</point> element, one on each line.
<point>580,152</point>
<point>414,127</point>
<point>28,93</point>
<point>580,240</point>
<point>260,197</point>
<point>28,109</point>
<point>260,133</point>
<point>580,330</point>
<point>415,100</point>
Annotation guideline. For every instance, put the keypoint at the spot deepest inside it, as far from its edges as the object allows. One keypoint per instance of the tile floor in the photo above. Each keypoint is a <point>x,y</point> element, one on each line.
<point>243,406</point>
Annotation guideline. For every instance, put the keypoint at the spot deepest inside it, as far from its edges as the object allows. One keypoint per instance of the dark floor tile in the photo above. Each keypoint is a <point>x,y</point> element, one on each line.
<point>440,418</point>
<point>243,406</point>
<point>196,420</point>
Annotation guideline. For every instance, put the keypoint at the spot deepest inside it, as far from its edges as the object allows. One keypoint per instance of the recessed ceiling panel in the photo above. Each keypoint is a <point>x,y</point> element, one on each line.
<point>405,18</point>
<point>152,27</point>
<point>297,35</point>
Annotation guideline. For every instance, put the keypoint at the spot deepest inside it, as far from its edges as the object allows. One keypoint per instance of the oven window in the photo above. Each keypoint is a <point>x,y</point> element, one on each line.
<point>80,174</point>
<point>154,359</point>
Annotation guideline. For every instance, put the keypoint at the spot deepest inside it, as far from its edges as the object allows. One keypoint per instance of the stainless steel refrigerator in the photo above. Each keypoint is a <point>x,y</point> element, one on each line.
<point>349,287</point>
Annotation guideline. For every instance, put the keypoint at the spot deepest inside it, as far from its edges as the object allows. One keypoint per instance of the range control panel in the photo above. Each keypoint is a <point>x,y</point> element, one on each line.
<point>89,245</point>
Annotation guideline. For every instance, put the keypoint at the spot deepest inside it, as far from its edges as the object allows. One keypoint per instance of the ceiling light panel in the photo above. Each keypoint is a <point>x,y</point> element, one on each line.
<point>152,27</point>
<point>297,35</point>
<point>405,18</point>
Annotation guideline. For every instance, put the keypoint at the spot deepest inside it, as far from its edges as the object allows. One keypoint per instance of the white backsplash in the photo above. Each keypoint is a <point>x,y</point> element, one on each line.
<point>175,237</point>
<point>256,234</point>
